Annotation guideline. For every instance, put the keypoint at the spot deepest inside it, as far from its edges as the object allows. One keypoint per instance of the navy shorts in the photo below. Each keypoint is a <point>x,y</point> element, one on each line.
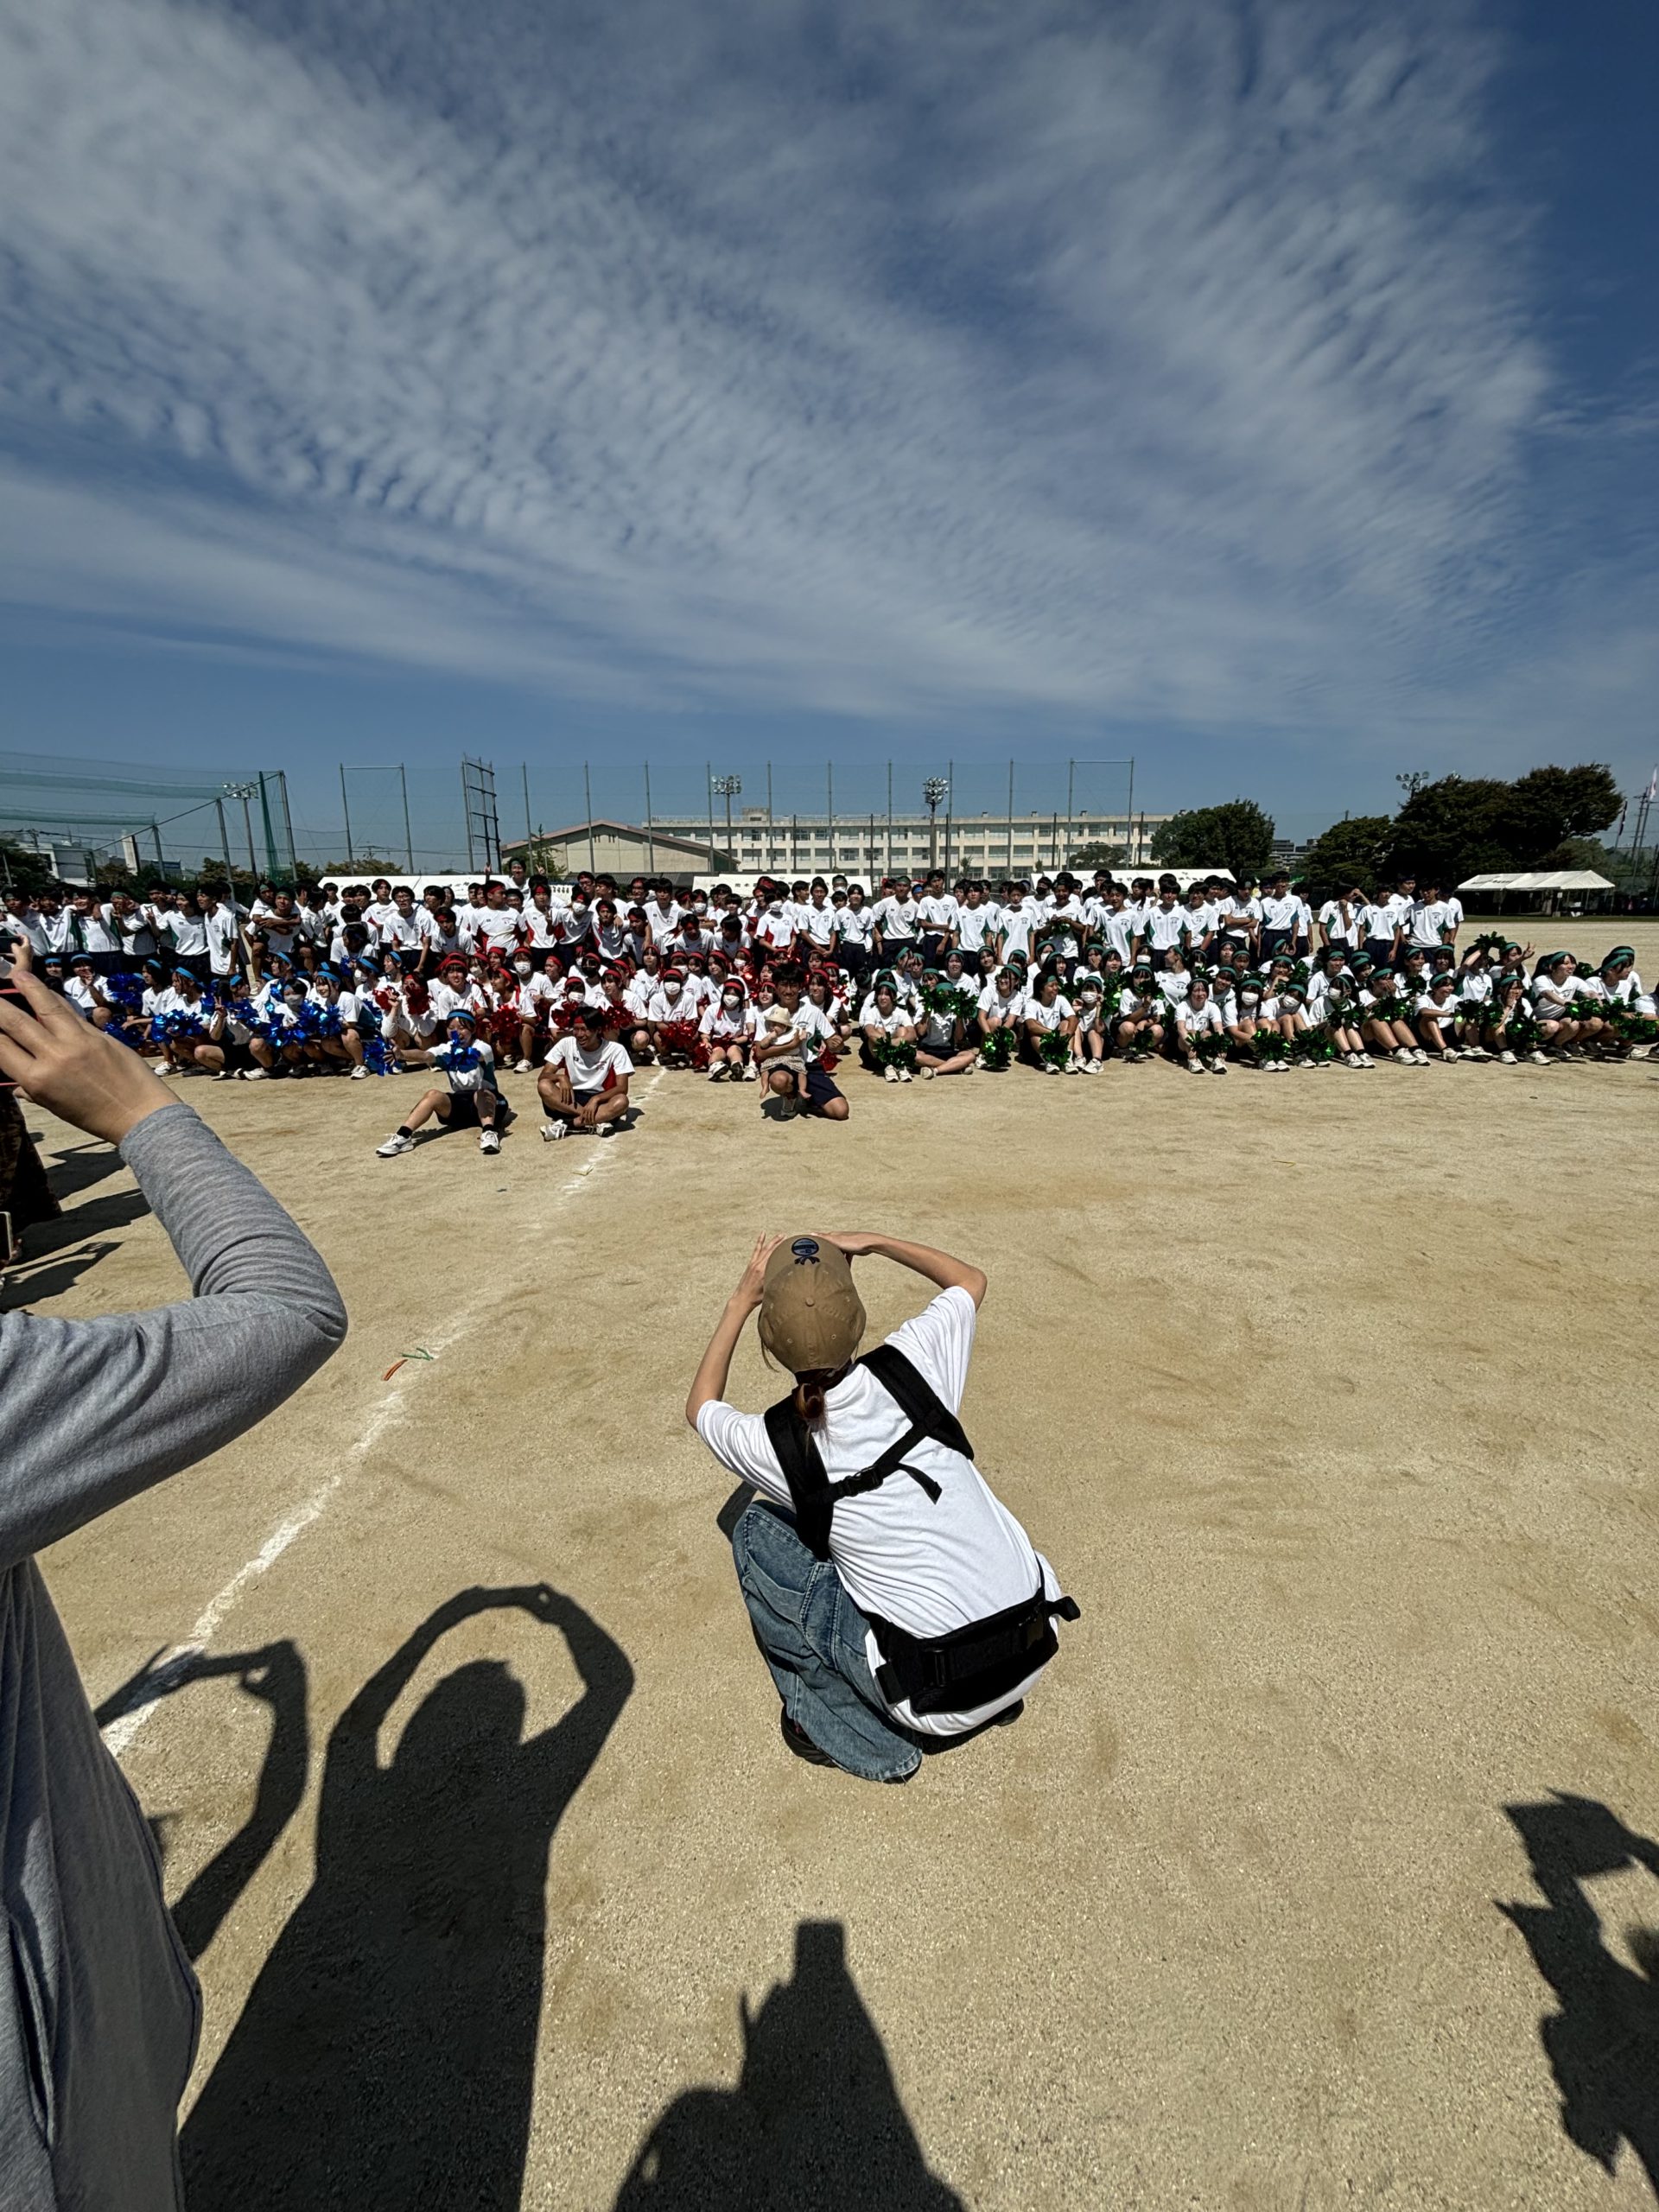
<point>819,1088</point>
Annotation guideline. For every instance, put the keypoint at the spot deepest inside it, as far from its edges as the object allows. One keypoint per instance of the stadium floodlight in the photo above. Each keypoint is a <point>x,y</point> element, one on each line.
<point>726,787</point>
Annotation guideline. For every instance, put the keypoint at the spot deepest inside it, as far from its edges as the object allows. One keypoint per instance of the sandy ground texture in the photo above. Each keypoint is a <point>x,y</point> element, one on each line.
<point>1322,1871</point>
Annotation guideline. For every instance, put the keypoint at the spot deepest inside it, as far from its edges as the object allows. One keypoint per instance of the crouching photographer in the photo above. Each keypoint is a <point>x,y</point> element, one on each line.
<point>894,1598</point>
<point>98,2008</point>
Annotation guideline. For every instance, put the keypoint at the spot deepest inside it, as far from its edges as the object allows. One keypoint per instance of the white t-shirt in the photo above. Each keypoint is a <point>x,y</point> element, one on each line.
<point>1286,915</point>
<point>776,931</point>
<point>938,915</point>
<point>684,1008</point>
<point>224,932</point>
<point>870,1016</point>
<point>663,921</point>
<point>1429,917</point>
<point>896,920</point>
<point>1047,1017</point>
<point>591,1071</point>
<point>927,1566</point>
<point>991,1001</point>
<point>1194,1020</point>
<point>1339,925</point>
<point>972,925</point>
<point>1167,925</point>
<point>853,925</point>
<point>817,924</point>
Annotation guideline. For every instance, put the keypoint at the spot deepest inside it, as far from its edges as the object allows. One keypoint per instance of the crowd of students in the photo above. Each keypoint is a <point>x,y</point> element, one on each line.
<point>784,987</point>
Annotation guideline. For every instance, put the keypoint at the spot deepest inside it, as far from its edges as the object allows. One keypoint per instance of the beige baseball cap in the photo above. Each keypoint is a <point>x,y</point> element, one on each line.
<point>812,1317</point>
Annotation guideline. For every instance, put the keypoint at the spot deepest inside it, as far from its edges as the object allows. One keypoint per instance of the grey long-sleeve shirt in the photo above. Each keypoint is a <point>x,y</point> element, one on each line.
<point>98,2007</point>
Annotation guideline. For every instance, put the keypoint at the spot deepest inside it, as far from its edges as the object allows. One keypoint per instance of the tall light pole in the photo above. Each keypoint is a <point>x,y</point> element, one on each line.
<point>934,792</point>
<point>728,787</point>
<point>244,792</point>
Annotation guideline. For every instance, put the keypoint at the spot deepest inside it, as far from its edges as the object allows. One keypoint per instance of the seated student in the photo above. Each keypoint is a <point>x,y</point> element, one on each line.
<point>534,991</point>
<point>942,1046</point>
<point>85,993</point>
<point>1140,1013</point>
<point>472,1100</point>
<point>728,1031</point>
<point>1553,992</point>
<point>934,1618</point>
<point>1631,1014</point>
<point>1049,1024</point>
<point>583,1083</point>
<point>1339,1012</point>
<point>1089,1039</point>
<point>1435,1013</point>
<point>671,1016</point>
<point>1001,1005</point>
<point>790,1037</point>
<point>889,1046</point>
<point>1383,1019</point>
<point>1200,1035</point>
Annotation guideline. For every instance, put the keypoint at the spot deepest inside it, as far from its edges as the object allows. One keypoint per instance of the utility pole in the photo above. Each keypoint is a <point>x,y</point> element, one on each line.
<point>1010,818</point>
<point>830,815</point>
<point>527,827</point>
<point>409,835</point>
<point>949,809</point>
<point>345,808</point>
<point>650,833</point>
<point>224,841</point>
<point>888,869</point>
<point>587,795</point>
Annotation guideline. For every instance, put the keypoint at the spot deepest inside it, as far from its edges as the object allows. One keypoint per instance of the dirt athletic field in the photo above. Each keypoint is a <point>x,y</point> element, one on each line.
<point>1332,1400</point>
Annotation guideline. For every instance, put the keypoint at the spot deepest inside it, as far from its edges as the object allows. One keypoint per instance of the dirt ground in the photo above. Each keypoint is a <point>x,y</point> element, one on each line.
<point>1332,1401</point>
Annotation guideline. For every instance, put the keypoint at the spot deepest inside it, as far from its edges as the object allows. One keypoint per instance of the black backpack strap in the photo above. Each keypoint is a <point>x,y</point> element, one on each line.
<point>927,1411</point>
<point>803,1470</point>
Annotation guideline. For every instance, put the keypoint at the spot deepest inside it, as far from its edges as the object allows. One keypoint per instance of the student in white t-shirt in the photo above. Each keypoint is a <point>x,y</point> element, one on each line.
<point>583,1083</point>
<point>727,1032</point>
<point>926,1554</point>
<point>472,1098</point>
<point>1200,1037</point>
<point>1050,1023</point>
<point>1142,1011</point>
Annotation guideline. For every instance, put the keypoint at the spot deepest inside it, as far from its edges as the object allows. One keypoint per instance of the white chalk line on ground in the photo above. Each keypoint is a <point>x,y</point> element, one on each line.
<point>124,1730</point>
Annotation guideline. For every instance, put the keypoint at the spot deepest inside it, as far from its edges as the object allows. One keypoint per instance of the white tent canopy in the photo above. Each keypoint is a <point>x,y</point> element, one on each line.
<point>1572,879</point>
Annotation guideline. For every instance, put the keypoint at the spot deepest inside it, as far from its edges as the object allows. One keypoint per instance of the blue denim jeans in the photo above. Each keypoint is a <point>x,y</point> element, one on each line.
<point>812,1637</point>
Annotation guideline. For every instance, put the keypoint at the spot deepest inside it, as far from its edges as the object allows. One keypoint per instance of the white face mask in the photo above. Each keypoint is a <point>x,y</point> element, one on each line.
<point>670,990</point>
<point>731,999</point>
<point>776,906</point>
<point>521,967</point>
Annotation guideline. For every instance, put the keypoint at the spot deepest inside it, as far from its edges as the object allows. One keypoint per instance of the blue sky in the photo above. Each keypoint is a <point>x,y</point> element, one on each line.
<point>1270,391</point>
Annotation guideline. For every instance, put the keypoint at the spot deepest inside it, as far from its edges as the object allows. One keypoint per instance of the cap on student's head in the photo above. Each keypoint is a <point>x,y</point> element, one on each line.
<point>811,1316</point>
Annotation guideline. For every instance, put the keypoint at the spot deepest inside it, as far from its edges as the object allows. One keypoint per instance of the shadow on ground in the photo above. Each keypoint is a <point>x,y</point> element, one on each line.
<point>1602,2040</point>
<point>385,2059</point>
<point>814,2124</point>
<point>276,1676</point>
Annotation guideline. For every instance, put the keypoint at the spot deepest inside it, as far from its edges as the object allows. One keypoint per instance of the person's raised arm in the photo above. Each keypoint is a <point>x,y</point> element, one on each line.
<point>91,1412</point>
<point>709,1384</point>
<point>937,1267</point>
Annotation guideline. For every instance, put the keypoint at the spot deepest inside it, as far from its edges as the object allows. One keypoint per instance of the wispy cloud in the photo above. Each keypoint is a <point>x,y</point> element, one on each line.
<point>888,359</point>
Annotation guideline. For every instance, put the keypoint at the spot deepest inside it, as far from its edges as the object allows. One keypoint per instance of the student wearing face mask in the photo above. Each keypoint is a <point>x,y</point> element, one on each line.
<point>533,993</point>
<point>727,1032</point>
<point>774,930</point>
<point>673,1021</point>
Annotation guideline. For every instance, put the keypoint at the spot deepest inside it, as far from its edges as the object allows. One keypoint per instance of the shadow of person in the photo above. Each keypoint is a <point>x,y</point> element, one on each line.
<point>275,1676</point>
<point>815,2123</point>
<point>385,2056</point>
<point>1603,2042</point>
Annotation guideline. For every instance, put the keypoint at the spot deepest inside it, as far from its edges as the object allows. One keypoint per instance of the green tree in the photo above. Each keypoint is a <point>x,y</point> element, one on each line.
<point>1099,855</point>
<point>1549,807</point>
<point>22,869</point>
<point>1350,851</point>
<point>1237,835</point>
<point>1451,829</point>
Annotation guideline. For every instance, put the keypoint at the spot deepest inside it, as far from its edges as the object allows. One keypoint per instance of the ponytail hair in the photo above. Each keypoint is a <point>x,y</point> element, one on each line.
<point>809,1389</point>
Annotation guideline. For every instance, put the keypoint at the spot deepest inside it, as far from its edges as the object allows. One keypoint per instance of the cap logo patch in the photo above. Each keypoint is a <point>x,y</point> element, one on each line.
<point>806,1250</point>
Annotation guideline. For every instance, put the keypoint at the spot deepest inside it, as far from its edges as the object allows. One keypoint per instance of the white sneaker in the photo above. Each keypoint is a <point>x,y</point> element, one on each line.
<point>928,1074</point>
<point>489,1139</point>
<point>1218,1067</point>
<point>358,1074</point>
<point>751,1075</point>
<point>521,1067</point>
<point>255,1075</point>
<point>717,1075</point>
<point>1195,1067</point>
<point>892,1074</point>
<point>1421,1057</point>
<point>903,1075</point>
<point>1507,1058</point>
<point>393,1146</point>
<point>552,1131</point>
<point>1451,1053</point>
<point>1540,1060</point>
